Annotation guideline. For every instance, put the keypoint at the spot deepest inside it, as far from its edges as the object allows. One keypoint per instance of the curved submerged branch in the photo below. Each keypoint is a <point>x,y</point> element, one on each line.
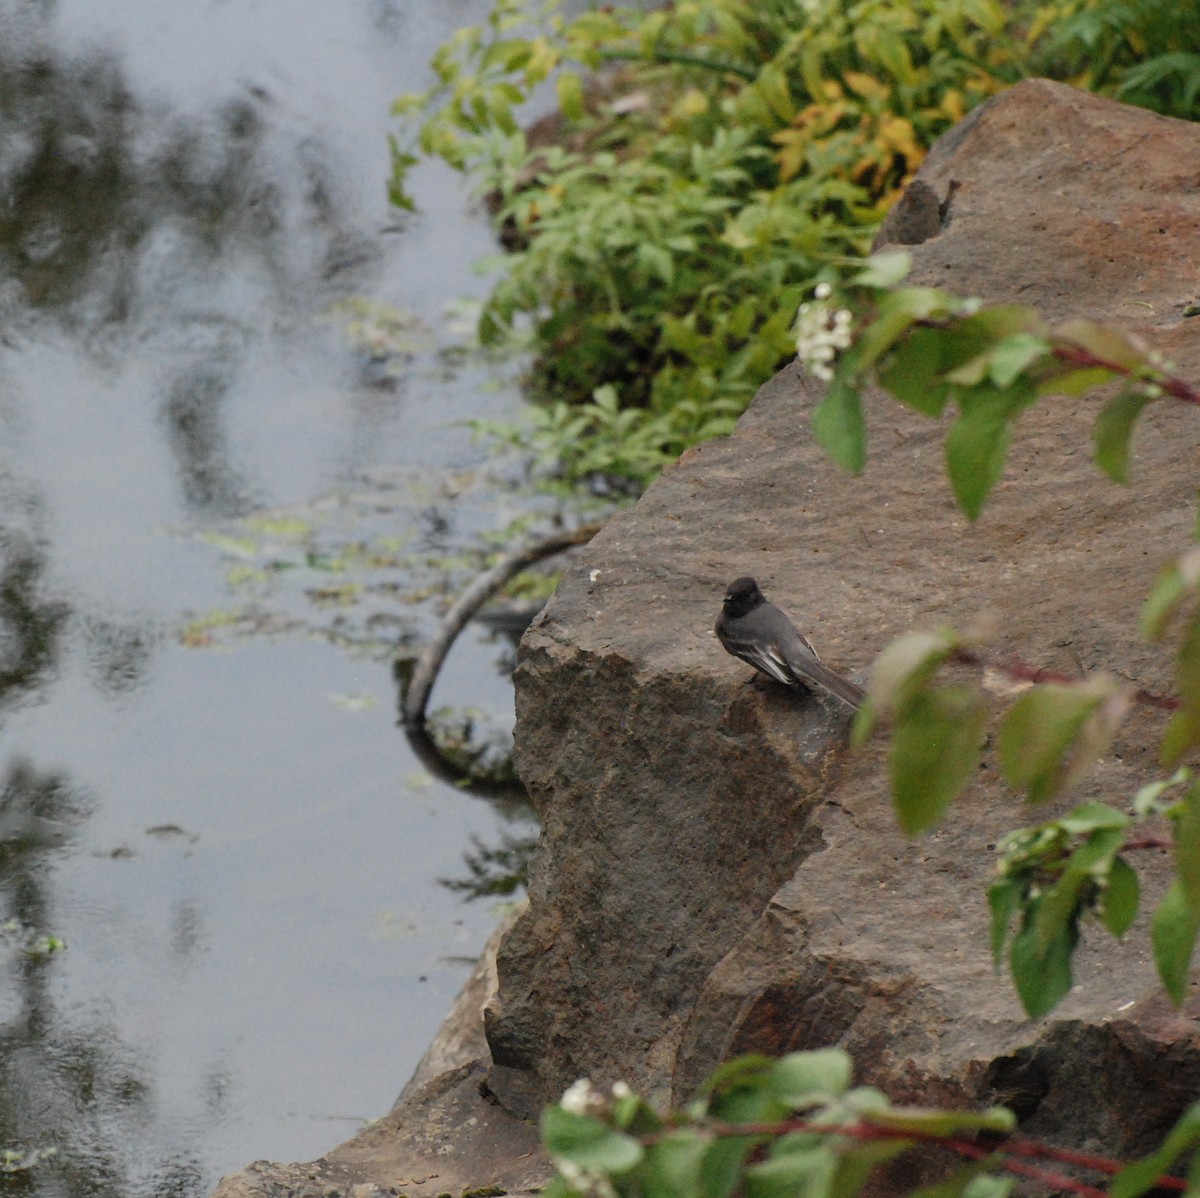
<point>416,695</point>
<point>440,764</point>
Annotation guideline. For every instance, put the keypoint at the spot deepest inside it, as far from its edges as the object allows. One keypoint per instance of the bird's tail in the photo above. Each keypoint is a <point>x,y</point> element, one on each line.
<point>849,692</point>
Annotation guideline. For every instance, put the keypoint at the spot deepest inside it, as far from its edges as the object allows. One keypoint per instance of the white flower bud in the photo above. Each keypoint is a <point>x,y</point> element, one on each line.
<point>581,1097</point>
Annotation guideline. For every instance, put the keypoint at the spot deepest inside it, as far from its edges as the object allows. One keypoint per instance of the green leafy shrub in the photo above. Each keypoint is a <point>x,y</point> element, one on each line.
<point>1145,52</point>
<point>796,1128</point>
<point>728,151</point>
<point>663,247</point>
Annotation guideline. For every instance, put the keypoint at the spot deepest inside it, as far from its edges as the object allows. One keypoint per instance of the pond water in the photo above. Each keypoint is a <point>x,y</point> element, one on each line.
<point>205,791</point>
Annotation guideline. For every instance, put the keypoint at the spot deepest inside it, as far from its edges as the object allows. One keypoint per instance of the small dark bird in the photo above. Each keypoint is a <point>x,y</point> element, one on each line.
<point>758,632</point>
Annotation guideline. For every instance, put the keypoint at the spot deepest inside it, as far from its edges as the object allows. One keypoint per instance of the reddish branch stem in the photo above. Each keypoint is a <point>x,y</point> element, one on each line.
<point>1021,671</point>
<point>1148,842</point>
<point>1076,355</point>
<point>1011,1146</point>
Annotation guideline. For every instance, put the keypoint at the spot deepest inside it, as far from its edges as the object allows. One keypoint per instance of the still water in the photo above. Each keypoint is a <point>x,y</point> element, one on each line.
<point>205,793</point>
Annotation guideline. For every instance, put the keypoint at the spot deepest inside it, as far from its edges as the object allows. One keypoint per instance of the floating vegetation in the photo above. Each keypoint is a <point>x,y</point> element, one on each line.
<point>495,871</point>
<point>388,336</point>
<point>338,569</point>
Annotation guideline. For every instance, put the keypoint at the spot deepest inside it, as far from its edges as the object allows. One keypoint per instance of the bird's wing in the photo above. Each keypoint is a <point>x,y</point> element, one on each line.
<point>764,657</point>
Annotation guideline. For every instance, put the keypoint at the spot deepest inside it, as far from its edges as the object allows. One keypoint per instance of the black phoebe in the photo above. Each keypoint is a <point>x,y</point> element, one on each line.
<point>758,632</point>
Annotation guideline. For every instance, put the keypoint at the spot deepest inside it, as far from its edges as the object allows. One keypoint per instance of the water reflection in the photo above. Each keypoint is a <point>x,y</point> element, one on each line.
<point>118,652</point>
<point>112,204</point>
<point>192,411</point>
<point>61,1086</point>
<point>495,870</point>
<point>30,623</point>
<point>164,264</point>
<point>37,811</point>
<point>132,224</point>
<point>71,1088</point>
<point>68,186</point>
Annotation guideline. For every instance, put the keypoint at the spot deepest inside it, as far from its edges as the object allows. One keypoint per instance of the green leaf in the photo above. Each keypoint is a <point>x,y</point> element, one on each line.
<point>721,1167</point>
<point>912,369</point>
<point>558,1188</point>
<point>1187,666</point>
<point>1095,855</point>
<point>409,102</point>
<point>858,1162</point>
<point>772,86</point>
<point>1142,1175</point>
<point>672,1165</point>
<point>1090,817</point>
<point>898,311</point>
<point>745,1096</point>
<point>747,1070</point>
<point>935,751</point>
<point>1014,355</point>
<point>1119,901</point>
<point>569,87</point>
<point>862,725</point>
<point>1113,434</point>
<point>905,667</point>
<point>809,1173</point>
<point>1056,911</point>
<point>1187,846</point>
<point>1113,346</point>
<point>944,1124</point>
<point>862,1100</point>
<point>799,1077</point>
<point>1148,800</point>
<point>838,425</point>
<point>988,1187</point>
<point>1173,932</point>
<point>1042,971</point>
<point>587,1142</point>
<point>1177,580</point>
<point>1074,382</point>
<point>968,1182</point>
<point>994,346</point>
<point>1004,901</point>
<point>1182,732</point>
<point>976,450</point>
<point>1037,733</point>
<point>884,270</point>
<point>970,338</point>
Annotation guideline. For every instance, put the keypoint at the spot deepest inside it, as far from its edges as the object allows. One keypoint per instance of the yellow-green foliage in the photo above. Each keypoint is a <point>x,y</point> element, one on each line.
<point>731,150</point>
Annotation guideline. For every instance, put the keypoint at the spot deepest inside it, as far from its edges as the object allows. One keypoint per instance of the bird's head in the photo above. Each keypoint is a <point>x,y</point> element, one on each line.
<point>742,595</point>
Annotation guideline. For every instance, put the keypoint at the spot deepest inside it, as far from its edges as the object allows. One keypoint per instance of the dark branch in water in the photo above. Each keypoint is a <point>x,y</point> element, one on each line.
<point>416,696</point>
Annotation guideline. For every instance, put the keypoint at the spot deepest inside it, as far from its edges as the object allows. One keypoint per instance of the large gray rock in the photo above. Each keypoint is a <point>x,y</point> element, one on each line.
<point>717,874</point>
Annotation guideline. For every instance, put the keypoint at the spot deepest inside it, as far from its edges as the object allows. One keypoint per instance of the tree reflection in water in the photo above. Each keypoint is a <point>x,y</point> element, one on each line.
<point>163,249</point>
<point>70,1086</point>
<point>112,212</point>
